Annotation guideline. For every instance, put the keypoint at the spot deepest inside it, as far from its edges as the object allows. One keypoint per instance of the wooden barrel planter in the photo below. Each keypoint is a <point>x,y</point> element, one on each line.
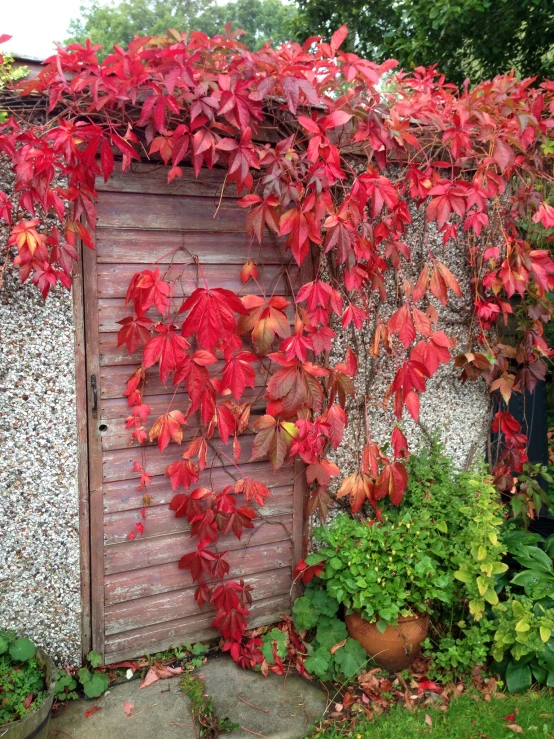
<point>396,648</point>
<point>37,724</point>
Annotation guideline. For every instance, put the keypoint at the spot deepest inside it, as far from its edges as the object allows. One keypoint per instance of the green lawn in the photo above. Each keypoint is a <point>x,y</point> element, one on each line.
<point>467,718</point>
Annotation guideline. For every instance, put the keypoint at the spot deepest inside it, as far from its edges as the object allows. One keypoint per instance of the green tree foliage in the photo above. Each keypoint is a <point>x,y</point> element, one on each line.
<point>119,23</point>
<point>465,38</point>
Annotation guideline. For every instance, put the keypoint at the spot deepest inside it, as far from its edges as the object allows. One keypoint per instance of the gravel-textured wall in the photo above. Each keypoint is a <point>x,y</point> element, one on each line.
<point>39,537</point>
<point>458,414</point>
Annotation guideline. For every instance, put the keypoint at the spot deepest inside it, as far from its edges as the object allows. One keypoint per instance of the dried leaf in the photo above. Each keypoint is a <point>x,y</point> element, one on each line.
<point>91,711</point>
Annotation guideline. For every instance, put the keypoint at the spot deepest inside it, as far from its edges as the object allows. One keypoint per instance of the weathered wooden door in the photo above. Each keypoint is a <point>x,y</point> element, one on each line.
<point>140,600</point>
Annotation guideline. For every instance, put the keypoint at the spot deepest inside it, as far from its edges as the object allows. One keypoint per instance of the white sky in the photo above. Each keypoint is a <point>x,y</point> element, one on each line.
<point>36,24</point>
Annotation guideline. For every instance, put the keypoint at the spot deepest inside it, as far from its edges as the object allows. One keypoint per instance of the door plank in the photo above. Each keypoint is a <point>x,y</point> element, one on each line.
<point>156,609</point>
<point>166,578</point>
<point>159,637</point>
<point>179,247</point>
<point>169,212</point>
<point>121,496</point>
<point>147,551</point>
<point>160,520</point>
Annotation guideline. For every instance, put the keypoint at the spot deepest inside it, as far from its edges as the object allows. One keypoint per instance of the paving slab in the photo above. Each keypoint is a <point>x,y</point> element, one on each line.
<point>290,705</point>
<point>161,710</point>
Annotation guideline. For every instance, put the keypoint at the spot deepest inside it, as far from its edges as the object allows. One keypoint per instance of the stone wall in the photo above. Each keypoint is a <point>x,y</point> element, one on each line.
<point>39,521</point>
<point>458,414</point>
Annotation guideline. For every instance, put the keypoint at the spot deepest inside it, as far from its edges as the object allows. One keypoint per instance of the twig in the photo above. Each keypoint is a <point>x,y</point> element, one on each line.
<point>265,710</point>
<point>143,710</point>
<point>59,731</point>
<point>174,723</point>
<point>254,732</point>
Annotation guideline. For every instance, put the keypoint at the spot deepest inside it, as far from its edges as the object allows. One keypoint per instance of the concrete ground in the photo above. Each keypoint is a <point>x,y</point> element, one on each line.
<point>276,707</point>
<point>161,710</point>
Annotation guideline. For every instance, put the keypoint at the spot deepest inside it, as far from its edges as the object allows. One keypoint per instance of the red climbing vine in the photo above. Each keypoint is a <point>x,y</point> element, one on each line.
<point>478,161</point>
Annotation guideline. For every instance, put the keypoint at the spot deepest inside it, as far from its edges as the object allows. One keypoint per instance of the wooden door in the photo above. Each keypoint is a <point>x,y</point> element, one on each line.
<point>140,601</point>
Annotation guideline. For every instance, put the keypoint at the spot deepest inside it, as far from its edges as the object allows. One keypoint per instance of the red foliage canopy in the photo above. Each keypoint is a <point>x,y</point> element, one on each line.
<point>477,160</point>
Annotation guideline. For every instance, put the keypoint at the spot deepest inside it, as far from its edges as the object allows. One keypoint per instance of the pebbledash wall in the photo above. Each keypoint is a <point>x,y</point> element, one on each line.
<point>39,516</point>
<point>39,538</point>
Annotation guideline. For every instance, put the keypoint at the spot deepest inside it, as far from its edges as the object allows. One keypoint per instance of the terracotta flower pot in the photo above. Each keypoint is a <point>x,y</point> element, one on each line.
<point>397,647</point>
<point>36,724</point>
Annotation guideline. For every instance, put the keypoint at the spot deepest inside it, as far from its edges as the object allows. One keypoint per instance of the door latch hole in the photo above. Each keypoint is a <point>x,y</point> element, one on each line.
<point>102,427</point>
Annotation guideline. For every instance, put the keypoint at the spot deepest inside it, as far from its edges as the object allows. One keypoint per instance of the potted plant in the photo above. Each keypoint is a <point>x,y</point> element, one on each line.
<point>388,574</point>
<point>27,682</point>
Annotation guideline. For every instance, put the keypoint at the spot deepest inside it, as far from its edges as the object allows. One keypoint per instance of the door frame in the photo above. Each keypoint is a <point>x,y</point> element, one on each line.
<point>81,401</point>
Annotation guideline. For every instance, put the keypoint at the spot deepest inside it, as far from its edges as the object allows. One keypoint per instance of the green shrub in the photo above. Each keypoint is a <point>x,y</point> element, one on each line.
<point>384,569</point>
<point>93,681</point>
<point>317,611</point>
<point>22,680</point>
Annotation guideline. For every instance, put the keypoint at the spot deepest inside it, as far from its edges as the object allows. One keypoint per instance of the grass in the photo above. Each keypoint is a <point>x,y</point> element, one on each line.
<point>469,717</point>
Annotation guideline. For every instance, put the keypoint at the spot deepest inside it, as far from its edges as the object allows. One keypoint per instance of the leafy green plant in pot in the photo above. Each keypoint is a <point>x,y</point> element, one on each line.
<point>388,575</point>
<point>27,679</point>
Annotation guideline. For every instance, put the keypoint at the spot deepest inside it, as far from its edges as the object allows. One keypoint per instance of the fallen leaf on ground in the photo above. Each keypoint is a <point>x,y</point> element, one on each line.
<point>516,728</point>
<point>511,717</point>
<point>428,720</point>
<point>128,708</point>
<point>336,647</point>
<point>428,685</point>
<point>160,672</point>
<point>91,711</point>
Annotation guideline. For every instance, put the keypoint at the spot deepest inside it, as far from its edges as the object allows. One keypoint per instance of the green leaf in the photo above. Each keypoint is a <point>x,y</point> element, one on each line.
<point>535,559</point>
<point>97,685</point>
<point>518,677</point>
<point>22,649</point>
<point>550,679</point>
<point>539,673</point>
<point>305,616</point>
<point>314,559</point>
<point>331,634</point>
<point>95,659</point>
<point>3,645</point>
<point>84,675</point>
<point>199,648</point>
<point>351,659</point>
<point>318,663</point>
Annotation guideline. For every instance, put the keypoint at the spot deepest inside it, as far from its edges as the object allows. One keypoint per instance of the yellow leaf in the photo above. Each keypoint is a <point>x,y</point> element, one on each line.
<point>491,597</point>
<point>522,626</point>
<point>481,553</point>
<point>545,633</point>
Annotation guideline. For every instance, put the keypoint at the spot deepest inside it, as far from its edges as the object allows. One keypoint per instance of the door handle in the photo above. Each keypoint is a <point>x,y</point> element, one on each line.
<point>94,396</point>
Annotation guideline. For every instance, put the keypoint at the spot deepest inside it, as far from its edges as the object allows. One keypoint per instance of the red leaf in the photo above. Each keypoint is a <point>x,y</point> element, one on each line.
<point>503,154</point>
<point>338,37</point>
<point>168,428</point>
<point>211,315</point>
<point>308,572</point>
<point>401,323</point>
<point>106,159</point>
<point>128,708</point>
<point>253,490</point>
<point>168,348</point>
<point>198,562</point>
<point>91,711</point>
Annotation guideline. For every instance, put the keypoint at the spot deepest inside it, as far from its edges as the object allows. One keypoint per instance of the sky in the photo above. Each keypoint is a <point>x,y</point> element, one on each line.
<point>36,24</point>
